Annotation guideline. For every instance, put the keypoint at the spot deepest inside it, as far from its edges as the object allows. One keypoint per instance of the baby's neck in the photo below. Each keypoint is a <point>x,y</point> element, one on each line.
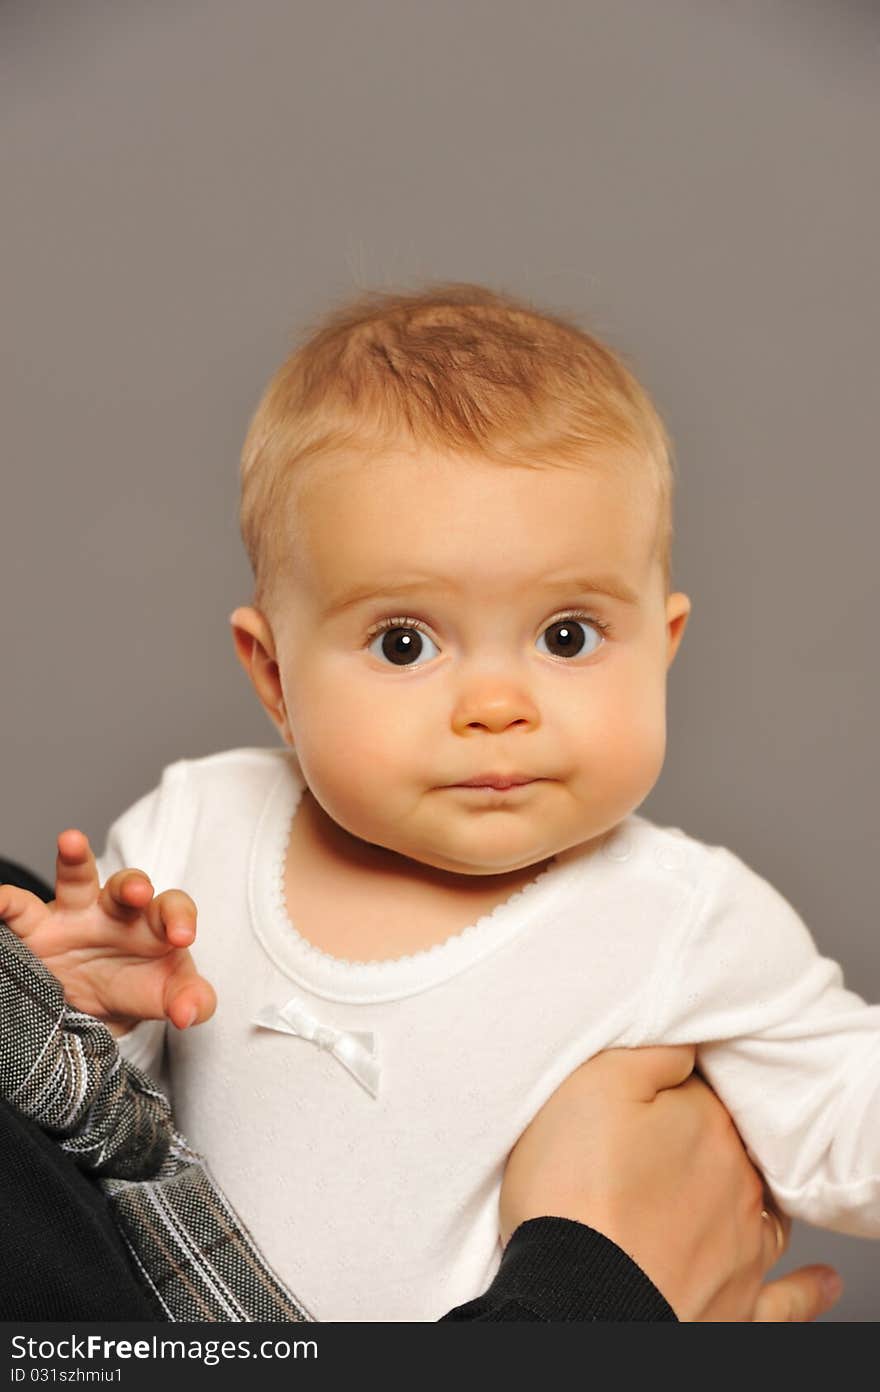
<point>364,902</point>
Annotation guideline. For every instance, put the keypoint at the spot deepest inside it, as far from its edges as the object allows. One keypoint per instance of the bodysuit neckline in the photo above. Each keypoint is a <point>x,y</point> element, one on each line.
<point>341,979</point>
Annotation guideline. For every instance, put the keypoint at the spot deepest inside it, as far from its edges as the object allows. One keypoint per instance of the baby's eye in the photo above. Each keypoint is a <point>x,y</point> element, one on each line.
<point>401,643</point>
<point>566,636</point>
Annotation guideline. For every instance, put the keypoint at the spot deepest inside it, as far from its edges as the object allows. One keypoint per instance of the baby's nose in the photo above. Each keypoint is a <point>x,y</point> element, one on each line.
<point>496,706</point>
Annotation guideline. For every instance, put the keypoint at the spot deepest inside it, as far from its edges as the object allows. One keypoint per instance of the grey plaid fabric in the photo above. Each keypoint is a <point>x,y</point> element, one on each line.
<point>62,1068</point>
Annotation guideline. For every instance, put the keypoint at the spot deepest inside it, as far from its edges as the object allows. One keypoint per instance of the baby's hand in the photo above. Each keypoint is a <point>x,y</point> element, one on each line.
<point>119,952</point>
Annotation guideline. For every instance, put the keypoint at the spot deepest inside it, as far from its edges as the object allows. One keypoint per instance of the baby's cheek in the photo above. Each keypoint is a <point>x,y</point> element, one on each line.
<point>350,768</point>
<point>626,748</point>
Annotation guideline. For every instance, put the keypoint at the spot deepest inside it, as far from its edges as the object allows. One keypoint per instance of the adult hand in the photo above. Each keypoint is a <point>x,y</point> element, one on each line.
<point>638,1147</point>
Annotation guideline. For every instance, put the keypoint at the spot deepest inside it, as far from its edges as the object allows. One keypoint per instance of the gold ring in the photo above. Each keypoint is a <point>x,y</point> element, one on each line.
<point>773,1217</point>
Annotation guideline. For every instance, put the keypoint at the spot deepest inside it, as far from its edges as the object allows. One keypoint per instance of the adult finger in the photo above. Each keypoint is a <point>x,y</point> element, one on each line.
<point>776,1228</point>
<point>638,1074</point>
<point>800,1296</point>
<point>76,874</point>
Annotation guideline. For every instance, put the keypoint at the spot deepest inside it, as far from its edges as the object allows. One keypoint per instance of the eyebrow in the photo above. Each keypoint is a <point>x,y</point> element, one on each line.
<point>608,585</point>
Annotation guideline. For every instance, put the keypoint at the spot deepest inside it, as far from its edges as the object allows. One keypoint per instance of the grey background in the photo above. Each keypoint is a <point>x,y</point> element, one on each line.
<point>183,183</point>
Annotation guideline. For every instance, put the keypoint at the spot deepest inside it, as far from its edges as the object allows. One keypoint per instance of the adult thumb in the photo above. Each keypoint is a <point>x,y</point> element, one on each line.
<point>799,1297</point>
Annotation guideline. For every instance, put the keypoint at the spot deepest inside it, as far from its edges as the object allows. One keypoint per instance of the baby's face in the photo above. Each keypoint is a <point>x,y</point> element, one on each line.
<point>444,620</point>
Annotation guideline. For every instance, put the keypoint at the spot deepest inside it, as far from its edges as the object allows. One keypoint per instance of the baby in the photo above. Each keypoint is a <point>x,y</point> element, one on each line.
<point>436,898</point>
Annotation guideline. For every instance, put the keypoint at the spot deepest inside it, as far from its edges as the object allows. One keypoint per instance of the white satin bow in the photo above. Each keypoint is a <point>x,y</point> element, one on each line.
<point>355,1051</point>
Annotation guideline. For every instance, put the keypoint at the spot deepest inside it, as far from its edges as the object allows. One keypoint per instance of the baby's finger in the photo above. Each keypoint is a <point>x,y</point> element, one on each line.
<point>126,895</point>
<point>189,998</point>
<point>172,916</point>
<point>21,910</point>
<point>76,874</point>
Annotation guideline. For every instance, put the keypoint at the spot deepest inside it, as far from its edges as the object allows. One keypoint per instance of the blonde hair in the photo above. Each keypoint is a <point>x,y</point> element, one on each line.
<point>458,368</point>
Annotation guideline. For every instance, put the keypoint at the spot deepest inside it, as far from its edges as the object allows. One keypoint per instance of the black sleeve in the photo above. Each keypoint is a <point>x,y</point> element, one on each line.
<point>12,873</point>
<point>554,1269</point>
<point>61,1256</point>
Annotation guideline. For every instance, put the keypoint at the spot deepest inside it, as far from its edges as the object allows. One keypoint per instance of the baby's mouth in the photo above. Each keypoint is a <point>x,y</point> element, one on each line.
<point>497,782</point>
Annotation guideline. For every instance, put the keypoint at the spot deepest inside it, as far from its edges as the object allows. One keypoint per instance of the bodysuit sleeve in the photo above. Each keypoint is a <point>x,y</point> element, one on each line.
<point>149,836</point>
<point>793,1054</point>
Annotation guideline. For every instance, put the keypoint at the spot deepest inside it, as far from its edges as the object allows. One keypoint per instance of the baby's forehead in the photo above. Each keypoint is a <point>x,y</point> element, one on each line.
<point>355,485</point>
<point>469,525</point>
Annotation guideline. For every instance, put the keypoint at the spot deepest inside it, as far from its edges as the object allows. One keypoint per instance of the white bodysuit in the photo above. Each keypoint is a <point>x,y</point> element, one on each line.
<point>368,1169</point>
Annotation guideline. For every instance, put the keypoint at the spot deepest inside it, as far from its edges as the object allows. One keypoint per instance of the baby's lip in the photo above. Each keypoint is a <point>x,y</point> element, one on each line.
<point>495,780</point>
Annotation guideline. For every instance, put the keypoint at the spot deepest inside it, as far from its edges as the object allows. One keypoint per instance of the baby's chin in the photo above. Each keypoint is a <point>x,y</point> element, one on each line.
<point>479,853</point>
<point>476,863</point>
<point>474,842</point>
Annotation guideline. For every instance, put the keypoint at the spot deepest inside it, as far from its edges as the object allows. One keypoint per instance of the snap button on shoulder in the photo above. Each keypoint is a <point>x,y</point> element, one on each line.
<point>618,846</point>
<point>669,857</point>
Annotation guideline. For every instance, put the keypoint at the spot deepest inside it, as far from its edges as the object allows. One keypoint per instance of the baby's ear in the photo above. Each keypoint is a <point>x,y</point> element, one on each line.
<point>255,649</point>
<point>250,633</point>
<point>678,608</point>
